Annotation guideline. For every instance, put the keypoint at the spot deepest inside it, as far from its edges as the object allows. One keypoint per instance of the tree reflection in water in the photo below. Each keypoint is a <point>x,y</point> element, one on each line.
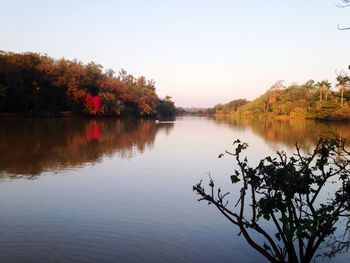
<point>305,132</point>
<point>31,146</point>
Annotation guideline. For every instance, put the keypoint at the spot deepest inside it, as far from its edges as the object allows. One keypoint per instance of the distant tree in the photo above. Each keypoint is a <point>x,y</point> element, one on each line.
<point>342,81</point>
<point>310,84</point>
<point>287,192</point>
<point>326,87</point>
<point>277,86</point>
<point>166,107</point>
<point>37,84</point>
<point>179,111</point>
<point>320,89</point>
<point>323,87</point>
<point>228,108</point>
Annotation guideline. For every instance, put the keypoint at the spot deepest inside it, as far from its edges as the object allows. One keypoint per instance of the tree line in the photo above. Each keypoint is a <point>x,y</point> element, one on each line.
<point>311,100</point>
<point>33,83</point>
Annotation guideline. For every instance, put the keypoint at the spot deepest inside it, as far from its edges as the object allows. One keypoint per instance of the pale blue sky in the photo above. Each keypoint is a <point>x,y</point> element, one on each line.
<point>201,52</point>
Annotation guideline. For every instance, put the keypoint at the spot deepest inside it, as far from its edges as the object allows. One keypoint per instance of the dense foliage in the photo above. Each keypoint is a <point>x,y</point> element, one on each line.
<point>311,100</point>
<point>193,111</point>
<point>281,210</point>
<point>166,107</point>
<point>37,84</point>
<point>229,107</point>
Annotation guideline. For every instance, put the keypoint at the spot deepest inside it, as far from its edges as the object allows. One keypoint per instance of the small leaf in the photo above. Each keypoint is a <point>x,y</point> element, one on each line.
<point>266,216</point>
<point>234,179</point>
<point>269,159</point>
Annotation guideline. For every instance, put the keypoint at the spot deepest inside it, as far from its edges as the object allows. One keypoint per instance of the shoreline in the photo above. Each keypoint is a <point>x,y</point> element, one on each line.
<point>67,115</point>
<point>282,118</point>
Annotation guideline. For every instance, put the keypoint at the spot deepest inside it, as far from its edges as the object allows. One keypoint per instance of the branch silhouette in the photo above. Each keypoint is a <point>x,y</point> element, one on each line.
<point>287,192</point>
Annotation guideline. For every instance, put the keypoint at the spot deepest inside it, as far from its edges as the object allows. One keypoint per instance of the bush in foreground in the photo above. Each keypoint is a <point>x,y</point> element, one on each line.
<point>288,192</point>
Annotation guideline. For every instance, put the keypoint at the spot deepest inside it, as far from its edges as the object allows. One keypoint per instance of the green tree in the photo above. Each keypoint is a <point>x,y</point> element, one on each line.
<point>166,107</point>
<point>38,84</point>
<point>326,86</point>
<point>342,80</point>
<point>323,87</point>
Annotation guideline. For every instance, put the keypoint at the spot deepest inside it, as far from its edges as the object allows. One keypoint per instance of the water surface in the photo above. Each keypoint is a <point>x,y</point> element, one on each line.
<point>80,190</point>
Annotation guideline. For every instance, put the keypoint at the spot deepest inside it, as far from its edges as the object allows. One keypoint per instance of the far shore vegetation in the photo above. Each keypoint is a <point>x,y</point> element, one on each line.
<point>33,84</point>
<point>311,100</point>
<point>38,85</point>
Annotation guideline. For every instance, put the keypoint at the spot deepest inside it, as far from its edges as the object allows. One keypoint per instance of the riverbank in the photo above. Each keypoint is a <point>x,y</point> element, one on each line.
<point>283,117</point>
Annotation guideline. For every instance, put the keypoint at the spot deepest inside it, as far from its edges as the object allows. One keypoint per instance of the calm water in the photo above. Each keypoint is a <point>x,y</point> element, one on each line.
<point>79,190</point>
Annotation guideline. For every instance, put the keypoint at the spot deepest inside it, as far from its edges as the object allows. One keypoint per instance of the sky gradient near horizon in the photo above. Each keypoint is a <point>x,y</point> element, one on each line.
<point>201,52</point>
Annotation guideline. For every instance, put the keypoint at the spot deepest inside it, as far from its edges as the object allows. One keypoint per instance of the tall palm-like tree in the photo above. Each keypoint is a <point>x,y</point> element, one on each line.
<point>326,85</point>
<point>323,87</point>
<point>342,80</point>
<point>319,86</point>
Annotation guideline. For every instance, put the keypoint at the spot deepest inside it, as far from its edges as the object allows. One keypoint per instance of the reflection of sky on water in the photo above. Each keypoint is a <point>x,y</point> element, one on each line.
<point>105,207</point>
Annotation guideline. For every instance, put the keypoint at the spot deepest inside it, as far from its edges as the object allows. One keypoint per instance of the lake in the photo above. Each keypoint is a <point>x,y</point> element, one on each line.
<point>106,190</point>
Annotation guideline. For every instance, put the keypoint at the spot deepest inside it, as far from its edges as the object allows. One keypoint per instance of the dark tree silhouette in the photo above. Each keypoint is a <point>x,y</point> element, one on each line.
<point>36,84</point>
<point>289,192</point>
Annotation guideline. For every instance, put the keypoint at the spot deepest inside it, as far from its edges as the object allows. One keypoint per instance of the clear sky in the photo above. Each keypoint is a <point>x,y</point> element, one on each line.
<point>201,52</point>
